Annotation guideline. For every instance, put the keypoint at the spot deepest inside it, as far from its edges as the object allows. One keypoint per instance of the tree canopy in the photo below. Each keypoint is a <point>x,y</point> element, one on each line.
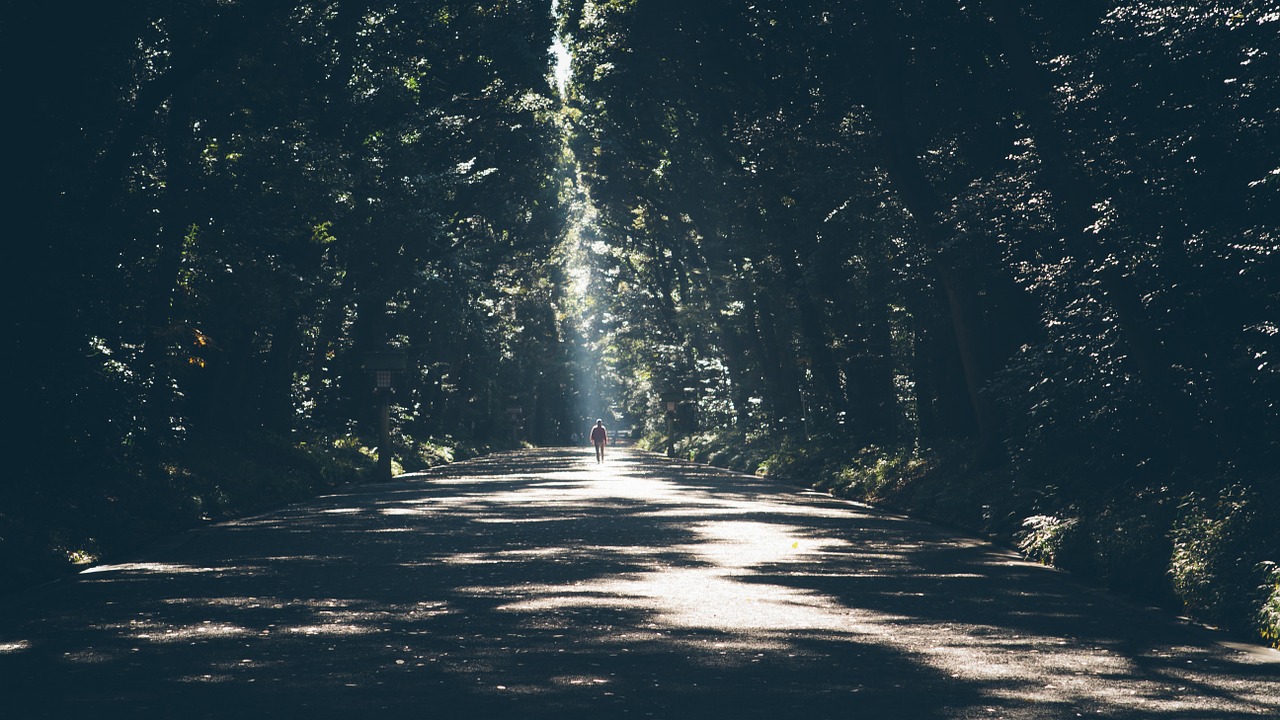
<point>228,206</point>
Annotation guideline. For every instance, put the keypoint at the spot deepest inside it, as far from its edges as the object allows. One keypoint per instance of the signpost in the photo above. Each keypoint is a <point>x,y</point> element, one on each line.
<point>386,368</point>
<point>670,402</point>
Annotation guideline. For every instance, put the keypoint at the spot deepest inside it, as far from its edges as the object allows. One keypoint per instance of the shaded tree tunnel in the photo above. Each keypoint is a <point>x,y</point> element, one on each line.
<point>1011,266</point>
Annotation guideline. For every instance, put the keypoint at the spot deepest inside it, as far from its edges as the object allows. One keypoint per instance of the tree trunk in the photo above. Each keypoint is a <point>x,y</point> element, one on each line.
<point>161,311</point>
<point>918,196</point>
<point>821,362</point>
<point>782,389</point>
<point>943,406</point>
<point>878,417</point>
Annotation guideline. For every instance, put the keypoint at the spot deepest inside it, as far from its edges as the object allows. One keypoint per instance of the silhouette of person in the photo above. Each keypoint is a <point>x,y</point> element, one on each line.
<point>599,438</point>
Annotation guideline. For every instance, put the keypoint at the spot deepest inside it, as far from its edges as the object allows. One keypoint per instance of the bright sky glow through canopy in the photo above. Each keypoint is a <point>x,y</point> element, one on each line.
<point>562,64</point>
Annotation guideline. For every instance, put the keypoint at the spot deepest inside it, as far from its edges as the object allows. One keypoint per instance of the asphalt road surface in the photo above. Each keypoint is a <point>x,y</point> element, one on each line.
<point>542,585</point>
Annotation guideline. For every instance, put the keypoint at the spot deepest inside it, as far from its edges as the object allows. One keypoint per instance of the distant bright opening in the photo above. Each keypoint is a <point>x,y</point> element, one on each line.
<point>561,59</point>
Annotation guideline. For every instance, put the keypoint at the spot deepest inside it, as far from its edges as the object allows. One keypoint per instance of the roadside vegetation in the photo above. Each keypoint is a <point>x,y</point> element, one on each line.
<point>108,510</point>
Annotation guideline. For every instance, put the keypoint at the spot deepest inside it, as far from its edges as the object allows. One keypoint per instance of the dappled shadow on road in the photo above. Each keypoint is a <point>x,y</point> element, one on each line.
<point>544,585</point>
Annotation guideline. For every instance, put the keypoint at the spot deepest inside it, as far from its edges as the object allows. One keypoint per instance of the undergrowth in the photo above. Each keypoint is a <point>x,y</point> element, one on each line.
<point>53,523</point>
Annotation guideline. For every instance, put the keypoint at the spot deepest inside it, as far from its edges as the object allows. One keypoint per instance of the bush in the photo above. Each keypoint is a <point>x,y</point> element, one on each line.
<point>1268,618</point>
<point>50,527</point>
<point>418,455</point>
<point>728,449</point>
<point>1218,564</point>
<point>1044,536</point>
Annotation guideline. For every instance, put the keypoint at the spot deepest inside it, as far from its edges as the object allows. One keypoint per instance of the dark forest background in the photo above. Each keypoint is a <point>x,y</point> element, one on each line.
<point>1011,266</point>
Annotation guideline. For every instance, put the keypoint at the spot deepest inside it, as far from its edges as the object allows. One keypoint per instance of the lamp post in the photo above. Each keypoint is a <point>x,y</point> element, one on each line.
<point>669,404</point>
<point>386,368</point>
<point>804,362</point>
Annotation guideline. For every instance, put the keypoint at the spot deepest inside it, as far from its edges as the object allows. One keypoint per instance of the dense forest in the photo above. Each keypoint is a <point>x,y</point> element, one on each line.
<point>1011,266</point>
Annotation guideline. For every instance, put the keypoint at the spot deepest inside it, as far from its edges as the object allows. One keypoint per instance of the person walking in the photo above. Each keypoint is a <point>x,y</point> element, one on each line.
<point>599,438</point>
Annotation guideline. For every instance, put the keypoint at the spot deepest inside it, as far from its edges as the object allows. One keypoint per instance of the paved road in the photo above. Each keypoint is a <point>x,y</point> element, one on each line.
<point>542,585</point>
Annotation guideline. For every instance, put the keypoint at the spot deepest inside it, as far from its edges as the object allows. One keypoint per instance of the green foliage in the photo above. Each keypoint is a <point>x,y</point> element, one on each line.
<point>235,475</point>
<point>43,536</point>
<point>1125,546</point>
<point>876,470</point>
<point>867,474</point>
<point>229,210</point>
<point>1218,563</point>
<point>1044,536</point>
<point>757,454</point>
<point>1268,618</point>
<point>416,455</point>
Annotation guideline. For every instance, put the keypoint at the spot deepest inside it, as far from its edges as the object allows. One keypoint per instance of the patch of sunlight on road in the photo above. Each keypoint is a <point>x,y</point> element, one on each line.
<point>89,656</point>
<point>403,511</point>
<point>162,568</point>
<point>714,507</point>
<point>526,521</point>
<point>328,617</point>
<point>592,483</point>
<point>702,599</point>
<point>160,632</point>
<point>716,595</point>
<point>578,680</point>
<point>502,556</point>
<point>332,629</point>
<point>589,485</point>
<point>741,544</point>
<point>237,602</point>
<point>211,678</point>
